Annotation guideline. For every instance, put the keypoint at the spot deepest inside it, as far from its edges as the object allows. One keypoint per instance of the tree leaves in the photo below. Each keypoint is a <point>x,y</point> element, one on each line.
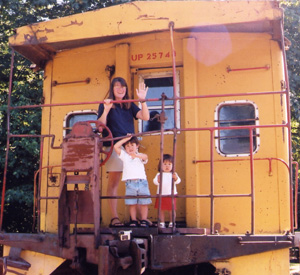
<point>27,87</point>
<point>292,32</point>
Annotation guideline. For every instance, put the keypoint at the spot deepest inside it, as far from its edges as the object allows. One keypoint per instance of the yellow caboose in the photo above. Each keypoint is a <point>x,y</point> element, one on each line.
<point>217,71</point>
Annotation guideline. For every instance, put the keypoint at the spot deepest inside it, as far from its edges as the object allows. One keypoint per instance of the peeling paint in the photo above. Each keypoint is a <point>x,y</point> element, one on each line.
<point>74,23</point>
<point>45,30</point>
<point>217,226</point>
<point>43,39</point>
<point>133,4</point>
<point>151,17</point>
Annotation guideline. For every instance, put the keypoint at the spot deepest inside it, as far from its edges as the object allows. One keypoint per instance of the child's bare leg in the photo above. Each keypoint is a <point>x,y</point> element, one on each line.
<point>170,214</point>
<point>132,211</point>
<point>144,211</point>
<point>139,215</point>
<point>162,216</point>
<point>112,189</point>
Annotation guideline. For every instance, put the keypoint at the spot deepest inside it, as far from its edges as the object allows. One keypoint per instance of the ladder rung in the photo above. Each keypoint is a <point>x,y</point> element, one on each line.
<point>77,179</point>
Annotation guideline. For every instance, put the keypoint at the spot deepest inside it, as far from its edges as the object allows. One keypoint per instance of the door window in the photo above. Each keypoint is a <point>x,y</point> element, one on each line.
<point>159,83</point>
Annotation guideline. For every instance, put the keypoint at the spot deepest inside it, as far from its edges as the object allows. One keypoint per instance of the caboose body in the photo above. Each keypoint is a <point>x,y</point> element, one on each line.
<point>217,71</point>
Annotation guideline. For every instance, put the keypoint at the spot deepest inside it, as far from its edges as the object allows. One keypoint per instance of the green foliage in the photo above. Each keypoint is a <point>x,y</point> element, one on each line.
<point>23,158</point>
<point>19,203</point>
<point>292,32</point>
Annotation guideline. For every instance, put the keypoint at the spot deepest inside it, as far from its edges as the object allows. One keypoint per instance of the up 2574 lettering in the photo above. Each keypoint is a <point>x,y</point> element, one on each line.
<point>151,56</point>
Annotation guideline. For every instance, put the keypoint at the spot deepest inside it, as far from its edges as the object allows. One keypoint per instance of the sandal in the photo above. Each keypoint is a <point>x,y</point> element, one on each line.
<point>150,223</point>
<point>133,223</point>
<point>118,223</point>
<point>144,223</point>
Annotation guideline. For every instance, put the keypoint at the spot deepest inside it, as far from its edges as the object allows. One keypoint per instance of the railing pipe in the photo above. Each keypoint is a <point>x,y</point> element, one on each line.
<point>252,183</point>
<point>162,123</point>
<point>212,205</point>
<point>243,159</point>
<point>8,138</point>
<point>150,99</point>
<point>296,196</point>
<point>175,93</point>
<point>288,103</point>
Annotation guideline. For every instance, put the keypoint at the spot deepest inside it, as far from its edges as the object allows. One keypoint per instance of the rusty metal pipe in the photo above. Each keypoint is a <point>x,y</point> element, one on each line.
<point>175,93</point>
<point>162,122</point>
<point>228,69</point>
<point>295,195</point>
<point>252,183</point>
<point>212,228</point>
<point>150,99</point>
<point>8,137</point>
<point>237,160</point>
<point>288,103</point>
<point>87,81</point>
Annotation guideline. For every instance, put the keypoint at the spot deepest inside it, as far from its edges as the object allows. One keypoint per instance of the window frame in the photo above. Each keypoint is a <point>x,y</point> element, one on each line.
<point>161,74</point>
<point>74,113</point>
<point>217,124</point>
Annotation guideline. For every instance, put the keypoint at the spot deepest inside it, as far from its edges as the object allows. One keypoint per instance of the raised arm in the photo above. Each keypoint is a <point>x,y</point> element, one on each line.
<point>119,144</point>
<point>107,106</point>
<point>141,94</point>
<point>141,156</point>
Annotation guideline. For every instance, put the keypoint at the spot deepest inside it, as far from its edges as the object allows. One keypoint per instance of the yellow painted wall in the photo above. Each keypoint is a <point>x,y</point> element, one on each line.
<point>268,263</point>
<point>215,52</point>
<point>202,59</point>
<point>90,62</point>
<point>41,264</point>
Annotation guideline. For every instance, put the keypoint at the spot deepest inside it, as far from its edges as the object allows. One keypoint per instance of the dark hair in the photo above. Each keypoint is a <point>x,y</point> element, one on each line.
<point>153,123</point>
<point>132,140</point>
<point>165,157</point>
<point>123,84</point>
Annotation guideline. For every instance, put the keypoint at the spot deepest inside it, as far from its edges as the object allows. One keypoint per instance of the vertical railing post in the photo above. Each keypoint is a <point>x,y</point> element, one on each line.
<point>40,179</point>
<point>175,96</point>
<point>288,104</point>
<point>212,227</point>
<point>8,138</point>
<point>162,122</point>
<point>295,195</point>
<point>252,182</point>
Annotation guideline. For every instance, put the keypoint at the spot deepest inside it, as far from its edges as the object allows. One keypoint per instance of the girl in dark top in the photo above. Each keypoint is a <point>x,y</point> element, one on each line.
<point>119,119</point>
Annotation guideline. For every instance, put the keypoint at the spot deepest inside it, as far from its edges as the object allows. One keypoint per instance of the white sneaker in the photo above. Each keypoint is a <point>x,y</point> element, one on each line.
<point>170,225</point>
<point>162,225</point>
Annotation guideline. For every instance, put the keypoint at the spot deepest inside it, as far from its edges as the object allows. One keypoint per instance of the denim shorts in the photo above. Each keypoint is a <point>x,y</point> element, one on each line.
<point>137,187</point>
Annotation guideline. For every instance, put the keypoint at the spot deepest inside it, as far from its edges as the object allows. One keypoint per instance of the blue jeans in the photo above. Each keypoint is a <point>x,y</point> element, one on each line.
<point>138,187</point>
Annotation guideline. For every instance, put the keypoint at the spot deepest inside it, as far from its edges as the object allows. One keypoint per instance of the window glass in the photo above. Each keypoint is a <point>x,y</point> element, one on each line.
<point>159,83</point>
<point>236,141</point>
<point>80,116</point>
<point>157,86</point>
<point>153,124</point>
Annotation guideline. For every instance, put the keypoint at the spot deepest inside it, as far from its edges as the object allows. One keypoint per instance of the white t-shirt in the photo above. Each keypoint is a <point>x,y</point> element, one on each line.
<point>132,168</point>
<point>166,183</point>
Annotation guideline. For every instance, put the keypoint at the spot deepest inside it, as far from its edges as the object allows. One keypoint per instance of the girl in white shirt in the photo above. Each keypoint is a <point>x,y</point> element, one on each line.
<point>166,180</point>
